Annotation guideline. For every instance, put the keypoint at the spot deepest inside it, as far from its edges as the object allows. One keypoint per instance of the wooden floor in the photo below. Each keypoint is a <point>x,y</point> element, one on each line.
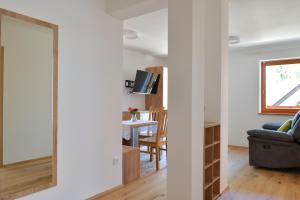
<point>24,176</point>
<point>151,187</point>
<point>148,167</point>
<point>246,183</point>
<point>249,183</point>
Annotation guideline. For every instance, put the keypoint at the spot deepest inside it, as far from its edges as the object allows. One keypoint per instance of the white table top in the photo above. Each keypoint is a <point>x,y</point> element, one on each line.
<point>139,123</point>
<point>130,126</point>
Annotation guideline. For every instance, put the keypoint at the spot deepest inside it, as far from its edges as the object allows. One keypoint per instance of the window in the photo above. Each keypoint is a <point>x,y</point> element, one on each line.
<point>280,86</point>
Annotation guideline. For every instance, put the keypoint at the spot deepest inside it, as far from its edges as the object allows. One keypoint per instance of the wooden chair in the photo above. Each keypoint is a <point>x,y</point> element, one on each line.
<point>153,116</point>
<point>159,140</point>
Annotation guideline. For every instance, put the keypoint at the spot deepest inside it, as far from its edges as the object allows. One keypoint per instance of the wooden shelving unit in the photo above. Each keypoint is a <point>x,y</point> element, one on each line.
<point>212,162</point>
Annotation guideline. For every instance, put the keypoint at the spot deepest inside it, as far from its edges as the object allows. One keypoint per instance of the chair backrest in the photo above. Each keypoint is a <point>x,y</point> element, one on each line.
<point>162,125</point>
<point>154,113</point>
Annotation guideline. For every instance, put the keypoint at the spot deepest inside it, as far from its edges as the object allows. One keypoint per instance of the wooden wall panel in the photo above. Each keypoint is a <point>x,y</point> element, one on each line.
<point>127,116</point>
<point>156,100</point>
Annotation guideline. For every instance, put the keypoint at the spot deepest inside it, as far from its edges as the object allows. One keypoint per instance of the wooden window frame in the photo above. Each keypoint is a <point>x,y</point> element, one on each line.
<point>276,110</point>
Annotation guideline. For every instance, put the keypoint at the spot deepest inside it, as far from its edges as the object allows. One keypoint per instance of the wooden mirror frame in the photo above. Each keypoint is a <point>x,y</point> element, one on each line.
<point>54,102</point>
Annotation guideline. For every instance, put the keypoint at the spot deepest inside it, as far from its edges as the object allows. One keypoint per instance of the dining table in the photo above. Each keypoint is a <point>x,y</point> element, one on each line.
<point>131,129</point>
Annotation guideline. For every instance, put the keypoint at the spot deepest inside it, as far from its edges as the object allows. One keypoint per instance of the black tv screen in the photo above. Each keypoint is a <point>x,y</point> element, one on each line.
<point>146,82</point>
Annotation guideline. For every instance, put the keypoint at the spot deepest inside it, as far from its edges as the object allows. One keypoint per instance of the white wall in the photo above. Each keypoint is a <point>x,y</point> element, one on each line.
<point>188,56</point>
<point>244,87</point>
<point>213,63</point>
<point>216,77</point>
<point>125,9</point>
<point>186,99</point>
<point>133,60</point>
<point>224,12</point>
<point>90,74</point>
<point>27,118</point>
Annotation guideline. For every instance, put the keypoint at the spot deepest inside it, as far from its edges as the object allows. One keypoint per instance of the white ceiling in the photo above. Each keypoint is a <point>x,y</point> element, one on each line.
<point>153,33</point>
<point>254,21</point>
<point>264,21</point>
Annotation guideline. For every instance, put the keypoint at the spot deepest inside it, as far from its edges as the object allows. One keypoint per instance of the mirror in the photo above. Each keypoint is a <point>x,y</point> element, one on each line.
<point>28,105</point>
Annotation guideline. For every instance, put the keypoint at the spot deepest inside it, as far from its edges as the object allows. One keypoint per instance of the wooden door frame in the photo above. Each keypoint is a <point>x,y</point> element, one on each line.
<point>1,104</point>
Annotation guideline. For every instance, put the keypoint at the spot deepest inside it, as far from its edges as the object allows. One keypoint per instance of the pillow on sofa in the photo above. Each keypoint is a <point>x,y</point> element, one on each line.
<point>295,119</point>
<point>286,126</point>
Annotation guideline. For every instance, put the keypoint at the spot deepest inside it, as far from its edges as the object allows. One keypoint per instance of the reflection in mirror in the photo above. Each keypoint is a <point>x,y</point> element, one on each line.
<point>27,105</point>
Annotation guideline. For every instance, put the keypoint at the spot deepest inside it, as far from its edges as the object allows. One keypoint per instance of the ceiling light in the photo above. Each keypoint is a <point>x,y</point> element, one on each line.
<point>130,34</point>
<point>233,39</point>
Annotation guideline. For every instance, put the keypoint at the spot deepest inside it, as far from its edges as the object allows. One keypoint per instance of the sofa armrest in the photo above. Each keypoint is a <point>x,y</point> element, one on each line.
<point>271,135</point>
<point>272,126</point>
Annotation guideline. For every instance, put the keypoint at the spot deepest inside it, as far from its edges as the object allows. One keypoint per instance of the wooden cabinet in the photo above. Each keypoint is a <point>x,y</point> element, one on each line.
<point>131,164</point>
<point>212,162</point>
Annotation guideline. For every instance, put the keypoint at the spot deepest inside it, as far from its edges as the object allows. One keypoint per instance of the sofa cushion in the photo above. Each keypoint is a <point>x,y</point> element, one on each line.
<point>271,135</point>
<point>272,125</point>
<point>295,131</point>
<point>286,126</point>
<point>295,119</point>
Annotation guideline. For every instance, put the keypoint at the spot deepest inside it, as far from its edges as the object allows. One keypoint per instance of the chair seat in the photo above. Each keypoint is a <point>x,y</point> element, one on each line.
<point>146,134</point>
<point>152,140</point>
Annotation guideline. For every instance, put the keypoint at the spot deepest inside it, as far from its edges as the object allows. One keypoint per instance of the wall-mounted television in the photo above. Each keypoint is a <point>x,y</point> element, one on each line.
<point>146,82</point>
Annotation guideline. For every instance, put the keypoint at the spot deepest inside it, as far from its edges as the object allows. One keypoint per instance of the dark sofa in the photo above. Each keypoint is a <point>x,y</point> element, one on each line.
<point>270,148</point>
